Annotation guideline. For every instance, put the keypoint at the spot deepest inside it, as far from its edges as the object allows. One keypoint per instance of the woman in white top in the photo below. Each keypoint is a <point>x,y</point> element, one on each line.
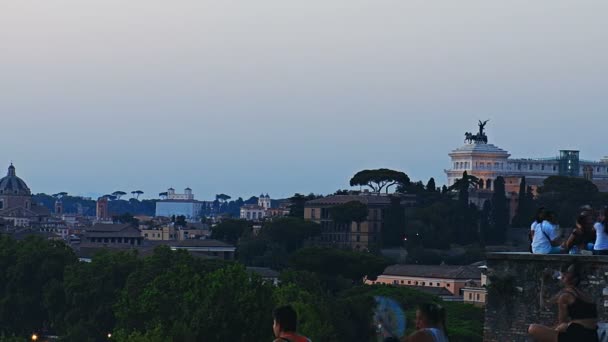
<point>601,235</point>
<point>430,324</point>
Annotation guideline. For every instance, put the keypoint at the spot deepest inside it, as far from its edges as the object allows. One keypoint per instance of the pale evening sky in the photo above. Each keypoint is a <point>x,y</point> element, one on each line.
<point>276,96</point>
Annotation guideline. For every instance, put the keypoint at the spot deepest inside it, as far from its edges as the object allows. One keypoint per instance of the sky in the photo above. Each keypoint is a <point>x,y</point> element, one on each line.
<point>275,96</point>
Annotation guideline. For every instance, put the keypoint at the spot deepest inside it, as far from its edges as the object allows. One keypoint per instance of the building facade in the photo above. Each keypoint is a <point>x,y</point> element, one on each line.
<point>359,236</point>
<point>253,212</point>
<point>454,279</point>
<point>181,205</point>
<point>16,207</point>
<point>487,162</point>
<point>260,211</point>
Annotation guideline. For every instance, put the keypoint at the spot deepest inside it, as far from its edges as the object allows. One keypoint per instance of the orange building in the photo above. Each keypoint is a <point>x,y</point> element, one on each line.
<point>429,278</point>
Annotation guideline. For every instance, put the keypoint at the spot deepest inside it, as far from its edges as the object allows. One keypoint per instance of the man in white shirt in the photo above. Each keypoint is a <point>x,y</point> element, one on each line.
<point>545,237</point>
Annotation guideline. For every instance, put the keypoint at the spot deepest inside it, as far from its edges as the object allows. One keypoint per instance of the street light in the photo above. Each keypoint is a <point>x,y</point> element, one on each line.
<point>34,337</point>
<point>109,335</point>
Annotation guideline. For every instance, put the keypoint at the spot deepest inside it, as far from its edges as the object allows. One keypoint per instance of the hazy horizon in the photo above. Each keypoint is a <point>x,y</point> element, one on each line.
<point>248,97</point>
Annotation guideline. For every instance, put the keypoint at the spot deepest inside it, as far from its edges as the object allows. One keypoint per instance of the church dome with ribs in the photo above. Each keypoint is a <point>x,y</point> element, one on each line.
<point>13,185</point>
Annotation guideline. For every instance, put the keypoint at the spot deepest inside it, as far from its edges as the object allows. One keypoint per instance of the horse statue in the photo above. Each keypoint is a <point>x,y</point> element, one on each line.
<point>468,136</point>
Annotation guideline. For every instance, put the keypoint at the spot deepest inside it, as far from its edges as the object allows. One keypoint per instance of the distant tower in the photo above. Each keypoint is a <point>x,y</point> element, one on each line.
<point>103,213</point>
<point>264,201</point>
<point>188,193</point>
<point>170,193</point>
<point>58,207</point>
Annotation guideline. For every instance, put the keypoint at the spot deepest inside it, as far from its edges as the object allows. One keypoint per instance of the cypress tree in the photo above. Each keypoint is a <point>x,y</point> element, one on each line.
<point>430,186</point>
<point>500,212</point>
<point>522,205</point>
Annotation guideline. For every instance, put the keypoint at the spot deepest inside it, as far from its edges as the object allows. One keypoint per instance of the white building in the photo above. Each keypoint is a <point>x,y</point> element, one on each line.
<point>264,201</point>
<point>487,161</point>
<point>253,212</point>
<point>186,196</point>
<point>180,205</point>
<point>257,212</point>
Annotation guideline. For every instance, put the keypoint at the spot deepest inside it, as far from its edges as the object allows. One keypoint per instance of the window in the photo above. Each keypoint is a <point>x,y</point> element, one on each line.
<point>395,282</point>
<point>423,283</point>
<point>554,168</point>
<point>438,284</point>
<point>477,296</point>
<point>470,296</point>
<point>531,166</point>
<point>358,238</point>
<point>409,282</point>
<point>402,282</point>
<point>542,167</point>
<point>519,166</point>
<point>312,213</point>
<point>448,285</point>
<point>1,204</point>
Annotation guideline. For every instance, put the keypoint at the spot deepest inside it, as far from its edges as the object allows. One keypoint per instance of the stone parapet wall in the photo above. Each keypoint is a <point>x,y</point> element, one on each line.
<point>522,285</point>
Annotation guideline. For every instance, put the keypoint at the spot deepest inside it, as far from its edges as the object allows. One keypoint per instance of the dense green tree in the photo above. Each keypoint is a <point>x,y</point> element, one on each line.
<point>430,185</point>
<point>180,221</point>
<point>118,194</point>
<point>127,219</point>
<point>500,213</point>
<point>31,295</point>
<point>230,230</point>
<point>297,203</point>
<point>290,232</point>
<point>328,261</point>
<point>485,222</point>
<point>137,193</point>
<point>353,211</point>
<point>393,231</point>
<point>566,195</point>
<point>91,290</point>
<point>314,315</point>
<point>415,188</point>
<point>379,179</point>
<point>463,185</point>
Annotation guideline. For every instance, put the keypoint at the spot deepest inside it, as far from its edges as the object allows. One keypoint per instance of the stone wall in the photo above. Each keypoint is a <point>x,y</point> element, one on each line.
<point>522,287</point>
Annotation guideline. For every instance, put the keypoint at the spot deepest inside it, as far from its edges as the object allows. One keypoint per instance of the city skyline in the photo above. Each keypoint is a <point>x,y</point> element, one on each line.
<point>243,98</point>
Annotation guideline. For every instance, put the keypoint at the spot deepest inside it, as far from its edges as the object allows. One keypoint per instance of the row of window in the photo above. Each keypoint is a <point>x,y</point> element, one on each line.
<point>418,283</point>
<point>478,165</point>
<point>476,296</point>
<point>374,214</point>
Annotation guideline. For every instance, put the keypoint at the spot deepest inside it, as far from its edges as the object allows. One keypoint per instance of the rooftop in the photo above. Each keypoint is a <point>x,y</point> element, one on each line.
<point>435,271</point>
<point>365,198</point>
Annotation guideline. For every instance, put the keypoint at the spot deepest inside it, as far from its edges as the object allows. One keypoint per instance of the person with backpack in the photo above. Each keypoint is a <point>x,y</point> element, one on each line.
<point>601,240</point>
<point>545,237</point>
<point>285,324</point>
<point>538,219</point>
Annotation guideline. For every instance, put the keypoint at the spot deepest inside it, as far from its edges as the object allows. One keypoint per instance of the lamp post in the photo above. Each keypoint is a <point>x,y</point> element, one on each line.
<point>34,337</point>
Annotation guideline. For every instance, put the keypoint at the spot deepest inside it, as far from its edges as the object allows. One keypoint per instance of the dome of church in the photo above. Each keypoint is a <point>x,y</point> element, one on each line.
<point>13,185</point>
